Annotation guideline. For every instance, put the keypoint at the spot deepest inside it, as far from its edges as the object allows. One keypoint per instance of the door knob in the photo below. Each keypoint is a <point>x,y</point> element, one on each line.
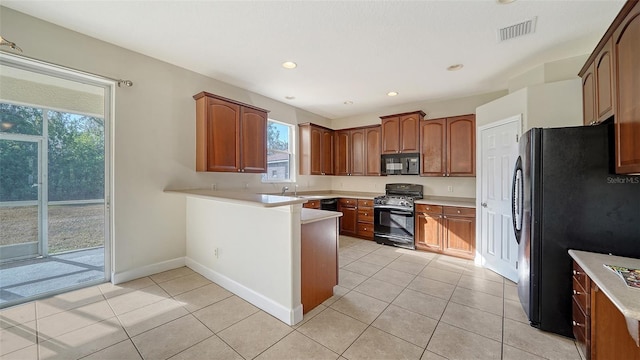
<point>484,204</point>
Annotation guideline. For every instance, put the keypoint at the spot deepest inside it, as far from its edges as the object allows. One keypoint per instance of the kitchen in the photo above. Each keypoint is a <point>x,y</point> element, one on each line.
<point>139,193</point>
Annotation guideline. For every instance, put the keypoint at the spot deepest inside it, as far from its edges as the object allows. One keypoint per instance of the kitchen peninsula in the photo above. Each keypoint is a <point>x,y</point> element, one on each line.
<point>254,245</point>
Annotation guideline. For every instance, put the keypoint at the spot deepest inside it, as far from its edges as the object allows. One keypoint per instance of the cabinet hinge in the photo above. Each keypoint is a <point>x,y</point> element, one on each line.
<point>517,138</point>
<point>516,265</point>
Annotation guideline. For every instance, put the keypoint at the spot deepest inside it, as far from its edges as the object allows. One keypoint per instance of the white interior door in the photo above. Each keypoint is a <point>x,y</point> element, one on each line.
<point>498,143</point>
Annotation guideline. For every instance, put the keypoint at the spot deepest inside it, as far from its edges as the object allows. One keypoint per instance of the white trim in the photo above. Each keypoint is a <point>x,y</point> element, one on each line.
<point>118,278</point>
<point>281,312</point>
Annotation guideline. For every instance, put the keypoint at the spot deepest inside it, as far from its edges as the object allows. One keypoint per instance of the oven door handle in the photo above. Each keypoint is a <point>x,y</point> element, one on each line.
<point>400,212</point>
<point>395,210</point>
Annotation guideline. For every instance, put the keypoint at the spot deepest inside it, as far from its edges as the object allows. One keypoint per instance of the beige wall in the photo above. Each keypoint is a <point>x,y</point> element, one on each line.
<point>154,136</point>
<point>559,70</point>
<point>433,109</point>
<point>554,104</point>
<point>462,186</point>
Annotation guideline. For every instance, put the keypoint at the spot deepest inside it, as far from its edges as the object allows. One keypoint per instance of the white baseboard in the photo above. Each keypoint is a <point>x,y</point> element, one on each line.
<point>282,313</point>
<point>147,270</point>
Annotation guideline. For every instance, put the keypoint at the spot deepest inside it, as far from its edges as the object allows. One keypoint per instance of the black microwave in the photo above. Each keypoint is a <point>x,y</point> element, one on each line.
<point>400,164</point>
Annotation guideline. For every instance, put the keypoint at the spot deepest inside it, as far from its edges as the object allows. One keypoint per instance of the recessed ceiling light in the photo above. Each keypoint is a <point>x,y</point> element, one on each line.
<point>392,93</point>
<point>289,65</point>
<point>289,97</point>
<point>348,102</point>
<point>455,67</point>
<point>504,2</point>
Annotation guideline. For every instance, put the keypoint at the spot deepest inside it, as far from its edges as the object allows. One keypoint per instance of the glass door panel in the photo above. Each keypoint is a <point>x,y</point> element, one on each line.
<point>20,211</point>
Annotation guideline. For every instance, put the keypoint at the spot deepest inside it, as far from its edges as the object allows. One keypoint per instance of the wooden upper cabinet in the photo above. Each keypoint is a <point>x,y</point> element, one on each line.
<point>230,136</point>
<point>461,145</point>
<point>316,150</point>
<point>400,132</point>
<point>342,152</point>
<point>223,140</point>
<point>373,136</point>
<point>253,127</point>
<point>409,136</point>
<point>391,135</point>
<point>433,138</point>
<point>326,151</point>
<point>603,69</point>
<point>448,146</point>
<point>589,97</point>
<point>626,55</point>
<point>611,84</point>
<point>357,152</point>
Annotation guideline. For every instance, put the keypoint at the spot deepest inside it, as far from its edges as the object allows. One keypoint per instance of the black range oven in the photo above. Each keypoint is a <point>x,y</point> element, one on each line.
<point>394,212</point>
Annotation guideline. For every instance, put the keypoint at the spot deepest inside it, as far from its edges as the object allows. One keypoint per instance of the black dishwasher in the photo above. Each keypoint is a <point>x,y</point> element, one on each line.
<point>329,204</point>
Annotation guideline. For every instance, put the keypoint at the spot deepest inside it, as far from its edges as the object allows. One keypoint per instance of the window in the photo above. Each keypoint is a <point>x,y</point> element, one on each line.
<point>280,157</point>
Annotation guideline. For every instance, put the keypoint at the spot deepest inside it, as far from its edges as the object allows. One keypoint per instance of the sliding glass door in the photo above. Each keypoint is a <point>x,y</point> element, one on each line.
<point>54,165</point>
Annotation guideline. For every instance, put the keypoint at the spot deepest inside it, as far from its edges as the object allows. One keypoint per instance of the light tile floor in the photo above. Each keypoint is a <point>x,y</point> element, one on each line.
<point>390,304</point>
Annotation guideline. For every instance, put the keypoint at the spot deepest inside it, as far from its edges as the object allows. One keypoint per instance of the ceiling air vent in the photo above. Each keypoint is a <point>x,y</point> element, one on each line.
<point>517,30</point>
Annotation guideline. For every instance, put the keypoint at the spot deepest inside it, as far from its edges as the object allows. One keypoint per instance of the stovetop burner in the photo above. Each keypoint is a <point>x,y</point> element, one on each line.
<point>399,195</point>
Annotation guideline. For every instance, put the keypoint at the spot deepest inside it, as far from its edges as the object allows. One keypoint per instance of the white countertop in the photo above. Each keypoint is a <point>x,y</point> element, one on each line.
<point>627,300</point>
<point>312,215</point>
<point>448,201</point>
<point>256,199</point>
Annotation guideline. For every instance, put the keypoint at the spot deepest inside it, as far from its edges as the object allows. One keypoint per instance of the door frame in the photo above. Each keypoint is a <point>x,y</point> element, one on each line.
<point>42,236</point>
<point>518,118</point>
<point>109,86</point>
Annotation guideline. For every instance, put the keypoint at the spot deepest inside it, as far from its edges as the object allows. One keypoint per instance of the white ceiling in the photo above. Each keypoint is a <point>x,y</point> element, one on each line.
<point>345,50</point>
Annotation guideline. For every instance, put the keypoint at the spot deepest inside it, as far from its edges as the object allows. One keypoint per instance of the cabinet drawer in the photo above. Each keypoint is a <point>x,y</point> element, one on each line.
<point>365,203</point>
<point>365,215</point>
<point>430,209</point>
<point>580,325</point>
<point>581,277</point>
<point>365,230</point>
<point>580,296</point>
<point>312,204</point>
<point>348,202</point>
<point>459,211</point>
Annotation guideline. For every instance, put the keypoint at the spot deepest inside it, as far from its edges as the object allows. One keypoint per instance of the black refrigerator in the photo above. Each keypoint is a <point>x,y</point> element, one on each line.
<point>566,195</point>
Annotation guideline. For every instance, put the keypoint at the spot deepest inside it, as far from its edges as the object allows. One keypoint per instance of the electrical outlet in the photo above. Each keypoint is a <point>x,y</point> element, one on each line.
<point>215,252</point>
<point>450,188</point>
<point>214,187</point>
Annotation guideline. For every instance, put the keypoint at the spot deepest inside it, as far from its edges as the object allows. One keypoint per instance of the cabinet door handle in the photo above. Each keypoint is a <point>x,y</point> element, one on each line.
<point>444,174</point>
<point>458,211</point>
<point>575,323</point>
<point>576,292</point>
<point>576,272</point>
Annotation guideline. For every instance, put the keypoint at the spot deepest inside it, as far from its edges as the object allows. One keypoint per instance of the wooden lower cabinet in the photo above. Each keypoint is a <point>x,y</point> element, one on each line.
<point>446,230</point>
<point>459,232</point>
<point>365,219</point>
<point>349,220</point>
<point>599,327</point>
<point>428,232</point>
<point>319,262</point>
<point>312,204</point>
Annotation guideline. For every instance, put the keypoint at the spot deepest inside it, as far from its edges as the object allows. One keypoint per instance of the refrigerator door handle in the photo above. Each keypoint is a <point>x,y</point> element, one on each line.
<point>517,199</point>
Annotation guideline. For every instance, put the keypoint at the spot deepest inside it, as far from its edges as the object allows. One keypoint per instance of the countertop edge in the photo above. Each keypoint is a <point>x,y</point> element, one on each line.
<point>611,284</point>
<point>308,216</point>
<point>240,197</point>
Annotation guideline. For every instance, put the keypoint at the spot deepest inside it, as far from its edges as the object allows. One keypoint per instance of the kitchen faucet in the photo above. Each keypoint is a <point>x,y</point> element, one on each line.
<point>284,189</point>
